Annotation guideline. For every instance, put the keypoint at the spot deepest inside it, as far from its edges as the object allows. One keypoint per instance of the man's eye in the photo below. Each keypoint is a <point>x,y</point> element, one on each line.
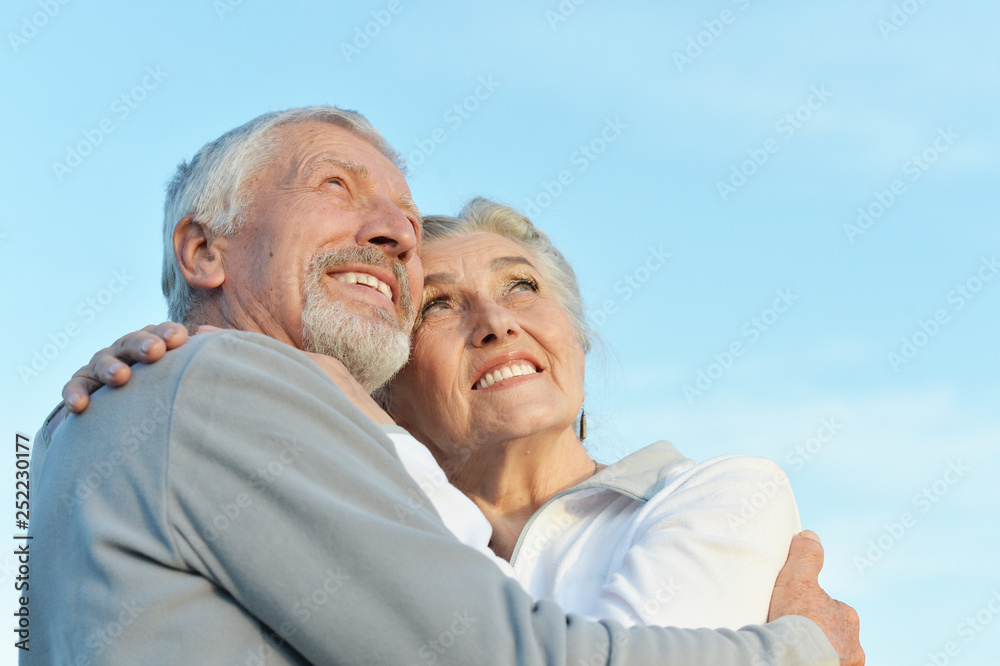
<point>336,180</point>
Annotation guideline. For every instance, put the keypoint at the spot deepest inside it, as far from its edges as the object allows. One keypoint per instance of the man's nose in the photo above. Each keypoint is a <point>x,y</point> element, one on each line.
<point>391,229</point>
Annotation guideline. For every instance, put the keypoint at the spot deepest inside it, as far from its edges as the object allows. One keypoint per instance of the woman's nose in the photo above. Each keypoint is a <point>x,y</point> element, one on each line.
<point>492,323</point>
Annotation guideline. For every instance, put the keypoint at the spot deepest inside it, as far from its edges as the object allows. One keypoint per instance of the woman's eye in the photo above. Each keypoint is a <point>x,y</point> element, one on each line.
<point>435,305</point>
<point>524,285</point>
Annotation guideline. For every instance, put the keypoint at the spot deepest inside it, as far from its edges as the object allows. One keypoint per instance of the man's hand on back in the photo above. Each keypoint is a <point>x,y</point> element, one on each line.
<point>797,592</point>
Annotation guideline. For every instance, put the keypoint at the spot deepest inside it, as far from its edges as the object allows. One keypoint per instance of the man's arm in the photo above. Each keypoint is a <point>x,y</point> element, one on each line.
<point>321,556</point>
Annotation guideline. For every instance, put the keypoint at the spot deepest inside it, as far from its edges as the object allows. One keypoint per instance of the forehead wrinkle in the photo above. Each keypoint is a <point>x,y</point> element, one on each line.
<point>503,262</point>
<point>435,279</point>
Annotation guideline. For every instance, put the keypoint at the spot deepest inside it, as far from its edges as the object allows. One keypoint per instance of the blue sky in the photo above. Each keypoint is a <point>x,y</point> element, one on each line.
<point>812,186</point>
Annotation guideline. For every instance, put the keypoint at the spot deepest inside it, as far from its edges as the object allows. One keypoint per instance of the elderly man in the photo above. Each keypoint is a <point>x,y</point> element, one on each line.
<point>232,505</point>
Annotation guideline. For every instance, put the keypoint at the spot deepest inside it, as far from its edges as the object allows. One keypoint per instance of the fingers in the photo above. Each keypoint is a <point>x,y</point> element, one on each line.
<point>145,346</point>
<point>104,368</point>
<point>797,592</point>
<point>173,334</point>
<point>111,366</point>
<point>798,580</point>
<point>76,393</point>
<point>809,534</point>
<point>805,556</point>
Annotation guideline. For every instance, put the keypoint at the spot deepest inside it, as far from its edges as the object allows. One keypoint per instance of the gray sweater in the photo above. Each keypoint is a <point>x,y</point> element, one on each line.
<point>230,506</point>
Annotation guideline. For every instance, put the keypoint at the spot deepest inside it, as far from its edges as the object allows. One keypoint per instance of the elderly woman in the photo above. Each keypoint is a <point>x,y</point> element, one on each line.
<point>494,389</point>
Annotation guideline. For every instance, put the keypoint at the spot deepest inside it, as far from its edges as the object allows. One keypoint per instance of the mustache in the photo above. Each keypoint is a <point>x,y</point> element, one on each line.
<point>325,260</point>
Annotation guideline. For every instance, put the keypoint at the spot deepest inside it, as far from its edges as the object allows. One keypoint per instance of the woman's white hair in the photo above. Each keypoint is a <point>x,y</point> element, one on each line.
<point>481,214</point>
<point>215,187</point>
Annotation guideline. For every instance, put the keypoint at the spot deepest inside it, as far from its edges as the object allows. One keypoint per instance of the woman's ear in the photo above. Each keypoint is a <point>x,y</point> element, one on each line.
<point>199,254</point>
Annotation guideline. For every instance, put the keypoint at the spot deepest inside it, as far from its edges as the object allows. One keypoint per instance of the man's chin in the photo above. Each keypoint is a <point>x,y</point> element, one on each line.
<point>369,344</point>
<point>378,312</point>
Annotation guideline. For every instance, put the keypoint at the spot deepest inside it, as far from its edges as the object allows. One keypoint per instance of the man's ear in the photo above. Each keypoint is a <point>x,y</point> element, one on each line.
<point>199,254</point>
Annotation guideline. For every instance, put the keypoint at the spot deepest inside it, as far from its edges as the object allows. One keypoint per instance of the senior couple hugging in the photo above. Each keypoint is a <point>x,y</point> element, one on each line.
<point>277,513</point>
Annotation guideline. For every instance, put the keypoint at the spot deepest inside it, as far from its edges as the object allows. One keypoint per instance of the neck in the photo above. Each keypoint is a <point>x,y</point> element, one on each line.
<point>511,480</point>
<point>216,311</point>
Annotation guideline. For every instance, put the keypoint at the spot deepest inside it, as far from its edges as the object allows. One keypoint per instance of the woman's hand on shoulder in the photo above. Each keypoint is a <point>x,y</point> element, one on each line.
<point>111,365</point>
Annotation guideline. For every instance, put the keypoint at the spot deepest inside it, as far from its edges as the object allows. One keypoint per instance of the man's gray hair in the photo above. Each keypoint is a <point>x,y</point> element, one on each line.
<point>481,214</point>
<point>215,187</point>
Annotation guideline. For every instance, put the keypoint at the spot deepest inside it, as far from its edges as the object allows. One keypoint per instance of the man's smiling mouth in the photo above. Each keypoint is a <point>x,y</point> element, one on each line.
<point>366,280</point>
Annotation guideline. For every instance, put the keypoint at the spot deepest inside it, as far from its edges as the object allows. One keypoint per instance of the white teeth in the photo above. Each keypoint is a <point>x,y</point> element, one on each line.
<point>513,370</point>
<point>367,280</point>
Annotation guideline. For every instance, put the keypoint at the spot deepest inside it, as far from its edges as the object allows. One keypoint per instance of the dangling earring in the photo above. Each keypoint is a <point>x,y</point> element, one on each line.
<point>583,424</point>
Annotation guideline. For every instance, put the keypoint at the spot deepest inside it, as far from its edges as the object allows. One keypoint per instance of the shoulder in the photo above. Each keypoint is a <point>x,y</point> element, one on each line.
<point>730,476</point>
<point>239,376</point>
<point>735,491</point>
<point>737,469</point>
<point>250,352</point>
<point>241,353</point>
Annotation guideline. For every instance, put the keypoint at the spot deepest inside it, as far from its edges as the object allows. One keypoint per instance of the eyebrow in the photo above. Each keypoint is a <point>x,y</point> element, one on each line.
<point>358,169</point>
<point>497,264</point>
<point>504,262</point>
<point>363,174</point>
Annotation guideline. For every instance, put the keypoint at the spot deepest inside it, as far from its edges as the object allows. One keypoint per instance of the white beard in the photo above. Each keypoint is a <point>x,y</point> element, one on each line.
<point>373,347</point>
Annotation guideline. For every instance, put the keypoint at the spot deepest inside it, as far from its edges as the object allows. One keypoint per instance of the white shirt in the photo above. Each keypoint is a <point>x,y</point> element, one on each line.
<point>657,539</point>
<point>458,512</point>
<point>652,539</point>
